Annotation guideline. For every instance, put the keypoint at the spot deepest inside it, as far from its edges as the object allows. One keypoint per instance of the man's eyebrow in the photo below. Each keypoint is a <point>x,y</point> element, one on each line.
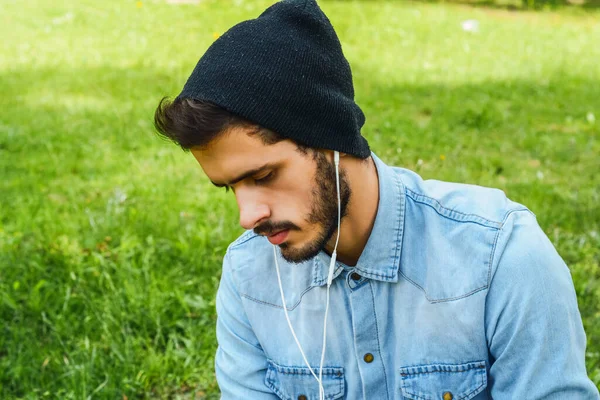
<point>244,175</point>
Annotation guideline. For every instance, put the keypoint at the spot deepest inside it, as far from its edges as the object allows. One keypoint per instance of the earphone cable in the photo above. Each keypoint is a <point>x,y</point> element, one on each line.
<point>336,161</point>
<point>287,317</point>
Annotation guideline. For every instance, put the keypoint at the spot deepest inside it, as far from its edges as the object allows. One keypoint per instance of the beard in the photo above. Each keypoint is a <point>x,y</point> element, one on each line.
<point>323,213</point>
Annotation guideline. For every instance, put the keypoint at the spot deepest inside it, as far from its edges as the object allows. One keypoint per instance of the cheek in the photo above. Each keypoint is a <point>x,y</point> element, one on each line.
<point>293,192</point>
<point>292,203</point>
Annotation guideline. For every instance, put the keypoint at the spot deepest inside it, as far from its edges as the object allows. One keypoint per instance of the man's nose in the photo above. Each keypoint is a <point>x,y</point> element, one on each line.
<point>252,209</point>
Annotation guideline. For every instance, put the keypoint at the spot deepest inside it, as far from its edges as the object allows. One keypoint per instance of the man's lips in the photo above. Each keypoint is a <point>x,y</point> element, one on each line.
<point>278,237</point>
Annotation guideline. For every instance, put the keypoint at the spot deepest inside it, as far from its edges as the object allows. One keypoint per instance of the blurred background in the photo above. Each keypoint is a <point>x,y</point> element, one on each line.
<point>111,239</point>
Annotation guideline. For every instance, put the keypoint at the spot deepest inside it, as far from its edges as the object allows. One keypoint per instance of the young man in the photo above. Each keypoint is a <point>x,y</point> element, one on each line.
<point>439,291</point>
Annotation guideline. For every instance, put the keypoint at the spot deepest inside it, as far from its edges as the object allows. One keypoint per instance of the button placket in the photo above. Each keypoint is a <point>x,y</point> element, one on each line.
<point>366,336</point>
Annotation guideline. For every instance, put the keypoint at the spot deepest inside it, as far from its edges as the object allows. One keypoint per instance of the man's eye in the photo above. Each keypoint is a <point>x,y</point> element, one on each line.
<point>264,179</point>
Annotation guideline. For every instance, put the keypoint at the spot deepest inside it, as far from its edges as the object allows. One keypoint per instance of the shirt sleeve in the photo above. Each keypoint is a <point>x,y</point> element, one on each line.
<point>240,363</point>
<point>533,326</point>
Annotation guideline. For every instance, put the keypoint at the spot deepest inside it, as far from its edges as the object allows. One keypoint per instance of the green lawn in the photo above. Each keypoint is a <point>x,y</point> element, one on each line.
<point>111,239</point>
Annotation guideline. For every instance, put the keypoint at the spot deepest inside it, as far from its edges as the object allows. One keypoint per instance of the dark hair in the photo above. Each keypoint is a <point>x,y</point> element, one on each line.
<point>195,123</point>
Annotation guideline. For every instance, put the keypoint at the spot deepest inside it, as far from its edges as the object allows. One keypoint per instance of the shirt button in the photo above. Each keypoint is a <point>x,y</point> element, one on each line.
<point>369,359</point>
<point>302,397</point>
<point>447,396</point>
<point>355,276</point>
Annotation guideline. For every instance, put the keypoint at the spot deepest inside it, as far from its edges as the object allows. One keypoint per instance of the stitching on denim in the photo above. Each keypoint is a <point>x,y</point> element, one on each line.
<point>472,292</point>
<point>490,262</point>
<point>493,253</point>
<point>276,305</point>
<point>319,280</point>
<point>466,396</point>
<point>414,283</point>
<point>399,231</point>
<point>474,365</point>
<point>387,387</point>
<point>462,367</point>
<point>434,301</point>
<point>473,218</point>
<point>271,385</point>
<point>307,373</point>
<point>368,274</point>
<point>271,372</point>
<point>405,374</point>
<point>273,369</point>
<point>467,366</point>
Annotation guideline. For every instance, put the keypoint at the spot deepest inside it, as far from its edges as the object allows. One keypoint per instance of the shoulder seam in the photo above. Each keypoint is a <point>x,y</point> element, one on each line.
<point>493,252</point>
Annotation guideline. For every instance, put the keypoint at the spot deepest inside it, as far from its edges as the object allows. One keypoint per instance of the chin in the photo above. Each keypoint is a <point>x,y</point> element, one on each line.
<point>299,252</point>
<point>297,257</point>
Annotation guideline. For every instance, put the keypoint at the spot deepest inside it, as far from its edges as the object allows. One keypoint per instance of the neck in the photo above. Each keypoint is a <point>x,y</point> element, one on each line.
<point>358,223</point>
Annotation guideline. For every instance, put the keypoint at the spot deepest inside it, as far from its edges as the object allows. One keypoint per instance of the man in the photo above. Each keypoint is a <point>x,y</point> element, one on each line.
<point>440,290</point>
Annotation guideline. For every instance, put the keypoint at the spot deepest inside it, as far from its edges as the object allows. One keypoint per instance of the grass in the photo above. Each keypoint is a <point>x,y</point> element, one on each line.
<point>111,239</point>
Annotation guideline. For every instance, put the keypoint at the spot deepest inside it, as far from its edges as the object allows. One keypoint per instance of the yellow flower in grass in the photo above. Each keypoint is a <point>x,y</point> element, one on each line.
<point>139,4</point>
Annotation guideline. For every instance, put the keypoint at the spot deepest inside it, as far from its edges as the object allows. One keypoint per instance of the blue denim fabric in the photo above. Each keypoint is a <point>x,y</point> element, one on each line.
<point>461,296</point>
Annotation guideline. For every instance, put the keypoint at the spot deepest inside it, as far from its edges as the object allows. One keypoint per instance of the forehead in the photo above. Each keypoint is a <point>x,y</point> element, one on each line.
<point>237,151</point>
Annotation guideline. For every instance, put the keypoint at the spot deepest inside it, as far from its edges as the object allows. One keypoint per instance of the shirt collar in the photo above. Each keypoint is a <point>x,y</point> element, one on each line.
<point>380,258</point>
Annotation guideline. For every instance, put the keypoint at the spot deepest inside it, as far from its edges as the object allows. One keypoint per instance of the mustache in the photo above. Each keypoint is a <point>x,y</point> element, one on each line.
<point>268,228</point>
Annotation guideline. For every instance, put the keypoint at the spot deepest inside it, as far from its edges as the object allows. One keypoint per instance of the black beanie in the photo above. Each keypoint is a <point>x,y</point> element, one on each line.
<point>286,72</point>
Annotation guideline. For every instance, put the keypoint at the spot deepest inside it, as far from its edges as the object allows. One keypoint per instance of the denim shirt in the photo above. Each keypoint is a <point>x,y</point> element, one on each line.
<point>458,294</point>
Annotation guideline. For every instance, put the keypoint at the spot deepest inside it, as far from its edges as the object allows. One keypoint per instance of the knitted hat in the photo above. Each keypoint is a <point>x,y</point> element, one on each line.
<point>286,72</point>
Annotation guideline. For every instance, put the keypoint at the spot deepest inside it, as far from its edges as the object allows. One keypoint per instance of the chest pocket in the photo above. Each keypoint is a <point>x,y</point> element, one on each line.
<point>443,381</point>
<point>297,383</point>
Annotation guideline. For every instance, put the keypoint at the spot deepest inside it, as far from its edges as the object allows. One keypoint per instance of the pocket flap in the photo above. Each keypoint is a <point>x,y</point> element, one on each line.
<point>291,383</point>
<point>443,381</point>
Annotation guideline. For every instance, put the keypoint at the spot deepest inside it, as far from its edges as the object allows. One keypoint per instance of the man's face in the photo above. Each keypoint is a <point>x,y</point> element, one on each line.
<point>281,193</point>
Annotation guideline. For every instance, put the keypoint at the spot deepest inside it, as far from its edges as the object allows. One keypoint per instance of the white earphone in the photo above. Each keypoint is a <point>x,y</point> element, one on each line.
<point>336,161</point>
